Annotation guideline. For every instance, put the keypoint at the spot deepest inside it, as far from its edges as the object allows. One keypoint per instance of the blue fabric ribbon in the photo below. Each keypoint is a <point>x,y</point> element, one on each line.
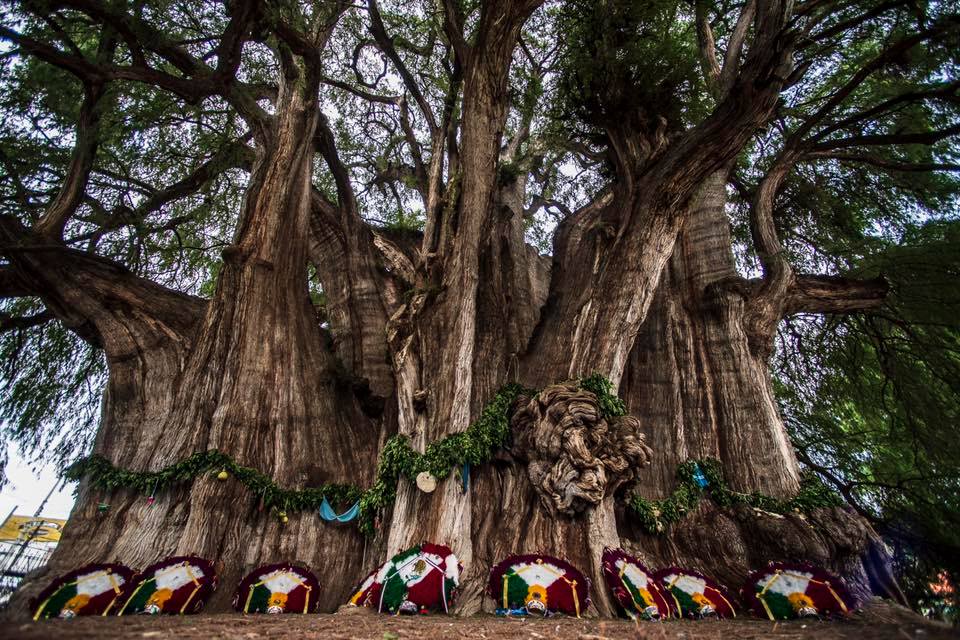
<point>699,478</point>
<point>328,514</point>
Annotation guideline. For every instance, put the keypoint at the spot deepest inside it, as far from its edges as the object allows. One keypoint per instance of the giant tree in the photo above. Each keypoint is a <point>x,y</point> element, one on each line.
<point>314,236</point>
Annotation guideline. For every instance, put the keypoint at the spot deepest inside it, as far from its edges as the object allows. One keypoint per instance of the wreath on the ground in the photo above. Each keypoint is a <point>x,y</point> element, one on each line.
<point>538,584</point>
<point>637,593</point>
<point>177,585</point>
<point>423,578</point>
<point>277,588</point>
<point>92,590</point>
<point>783,590</point>
<point>693,595</point>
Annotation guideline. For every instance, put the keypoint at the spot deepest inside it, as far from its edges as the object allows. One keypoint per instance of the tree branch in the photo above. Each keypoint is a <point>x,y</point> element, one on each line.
<point>708,46</point>
<point>926,137</point>
<point>385,43</point>
<point>53,221</point>
<point>891,53</point>
<point>235,155</point>
<point>98,299</point>
<point>881,163</point>
<point>731,58</point>
<point>12,285</point>
<point>453,29</point>
<point>11,323</point>
<point>834,294</point>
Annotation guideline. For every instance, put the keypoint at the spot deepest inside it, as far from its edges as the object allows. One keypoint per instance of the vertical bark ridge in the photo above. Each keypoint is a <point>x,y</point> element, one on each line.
<point>254,381</point>
<point>700,390</point>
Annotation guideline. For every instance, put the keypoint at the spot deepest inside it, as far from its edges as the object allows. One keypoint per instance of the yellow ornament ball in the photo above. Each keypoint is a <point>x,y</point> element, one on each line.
<point>284,519</point>
<point>223,475</point>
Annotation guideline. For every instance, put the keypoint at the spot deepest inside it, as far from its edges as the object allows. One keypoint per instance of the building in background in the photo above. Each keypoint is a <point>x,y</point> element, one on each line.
<point>26,543</point>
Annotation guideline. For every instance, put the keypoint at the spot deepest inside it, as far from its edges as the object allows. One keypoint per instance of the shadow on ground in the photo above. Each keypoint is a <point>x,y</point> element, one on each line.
<point>879,621</point>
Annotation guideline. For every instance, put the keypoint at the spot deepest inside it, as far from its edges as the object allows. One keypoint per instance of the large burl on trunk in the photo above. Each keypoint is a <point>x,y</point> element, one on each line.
<point>425,328</point>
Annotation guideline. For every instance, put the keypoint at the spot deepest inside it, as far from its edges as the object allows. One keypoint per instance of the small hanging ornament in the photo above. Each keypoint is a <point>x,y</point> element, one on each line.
<point>699,477</point>
<point>283,517</point>
<point>153,495</point>
<point>102,508</point>
<point>426,482</point>
<point>223,475</point>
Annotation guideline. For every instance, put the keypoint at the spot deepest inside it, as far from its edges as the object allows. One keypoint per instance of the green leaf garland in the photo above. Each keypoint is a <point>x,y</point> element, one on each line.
<point>475,446</point>
<point>655,514</point>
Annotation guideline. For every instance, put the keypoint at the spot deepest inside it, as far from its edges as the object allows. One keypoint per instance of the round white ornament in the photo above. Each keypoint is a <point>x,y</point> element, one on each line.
<point>426,482</point>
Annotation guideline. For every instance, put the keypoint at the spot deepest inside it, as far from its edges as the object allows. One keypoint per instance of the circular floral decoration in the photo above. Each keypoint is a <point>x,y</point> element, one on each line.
<point>538,584</point>
<point>782,591</point>
<point>177,585</point>
<point>277,588</point>
<point>693,595</point>
<point>422,578</point>
<point>633,586</point>
<point>92,590</point>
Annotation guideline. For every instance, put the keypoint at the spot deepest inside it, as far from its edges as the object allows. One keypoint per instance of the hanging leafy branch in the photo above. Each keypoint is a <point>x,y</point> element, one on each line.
<point>698,479</point>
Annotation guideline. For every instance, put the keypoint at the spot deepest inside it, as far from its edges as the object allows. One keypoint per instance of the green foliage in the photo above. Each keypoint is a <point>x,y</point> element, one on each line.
<point>101,473</point>
<point>400,221</point>
<point>611,406</point>
<point>654,515</point>
<point>475,446</point>
<point>874,407</point>
<point>50,384</point>
<point>627,63</point>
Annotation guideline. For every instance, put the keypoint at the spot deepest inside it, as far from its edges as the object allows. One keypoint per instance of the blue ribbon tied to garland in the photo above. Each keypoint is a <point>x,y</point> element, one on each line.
<point>328,514</point>
<point>699,478</point>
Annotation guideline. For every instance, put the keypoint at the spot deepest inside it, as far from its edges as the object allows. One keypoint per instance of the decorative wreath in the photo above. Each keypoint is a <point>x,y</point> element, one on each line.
<point>92,590</point>
<point>782,591</point>
<point>633,586</point>
<point>422,578</point>
<point>538,584</point>
<point>277,588</point>
<point>177,585</point>
<point>693,595</point>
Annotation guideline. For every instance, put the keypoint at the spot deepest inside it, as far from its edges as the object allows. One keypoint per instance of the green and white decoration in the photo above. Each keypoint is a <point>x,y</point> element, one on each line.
<point>92,590</point>
<point>277,588</point>
<point>177,585</point>
<point>423,578</point>
<point>782,591</point>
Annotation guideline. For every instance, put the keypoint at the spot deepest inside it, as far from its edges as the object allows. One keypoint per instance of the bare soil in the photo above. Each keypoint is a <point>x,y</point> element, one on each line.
<point>877,622</point>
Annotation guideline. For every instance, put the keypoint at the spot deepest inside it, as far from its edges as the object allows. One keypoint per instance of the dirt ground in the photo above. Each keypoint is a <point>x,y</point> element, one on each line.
<point>878,622</point>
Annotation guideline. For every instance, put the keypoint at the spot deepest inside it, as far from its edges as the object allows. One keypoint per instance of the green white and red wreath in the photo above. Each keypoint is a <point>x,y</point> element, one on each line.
<point>693,595</point>
<point>177,585</point>
<point>538,584</point>
<point>92,590</point>
<point>277,588</point>
<point>421,579</point>
<point>782,591</point>
<point>633,586</point>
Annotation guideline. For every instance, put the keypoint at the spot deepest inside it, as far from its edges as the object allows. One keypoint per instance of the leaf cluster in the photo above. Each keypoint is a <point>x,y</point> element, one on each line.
<point>654,515</point>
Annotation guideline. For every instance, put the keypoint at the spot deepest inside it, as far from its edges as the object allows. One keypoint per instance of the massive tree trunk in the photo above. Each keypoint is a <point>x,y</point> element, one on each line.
<point>699,380</point>
<point>246,373</point>
<point>641,288</point>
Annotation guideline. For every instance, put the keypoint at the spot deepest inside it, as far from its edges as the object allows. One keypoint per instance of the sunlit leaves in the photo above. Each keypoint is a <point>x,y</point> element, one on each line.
<point>50,386</point>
